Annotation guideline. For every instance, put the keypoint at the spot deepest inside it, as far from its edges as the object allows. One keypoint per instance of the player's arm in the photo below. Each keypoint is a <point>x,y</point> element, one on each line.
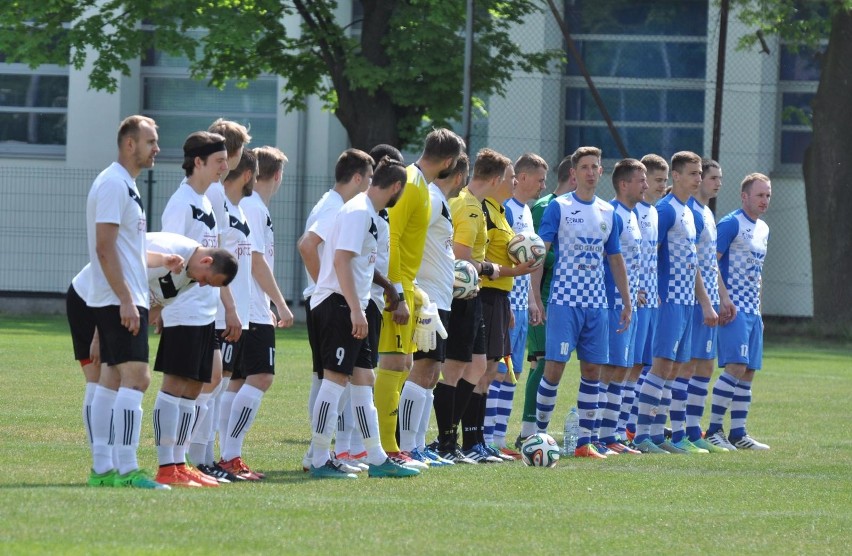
<point>262,274</point>
<point>727,309</point>
<point>710,316</point>
<point>619,276</point>
<point>398,217</point>
<point>535,290</point>
<point>308,246</point>
<point>483,268</point>
<point>391,295</point>
<point>518,269</point>
<point>172,262</point>
<point>726,231</point>
<point>233,325</point>
<point>106,237</point>
<point>343,268</point>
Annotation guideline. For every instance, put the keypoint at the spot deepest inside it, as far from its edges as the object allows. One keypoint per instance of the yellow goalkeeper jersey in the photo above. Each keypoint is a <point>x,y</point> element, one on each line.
<point>469,223</point>
<point>409,220</point>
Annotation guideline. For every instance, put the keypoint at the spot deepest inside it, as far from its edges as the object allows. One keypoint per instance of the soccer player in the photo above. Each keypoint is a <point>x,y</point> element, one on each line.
<point>531,176</point>
<point>185,353</point>
<point>679,286</point>
<point>118,296</point>
<point>465,362</point>
<point>408,221</point>
<point>657,173</point>
<point>338,305</point>
<point>630,182</point>
<point>435,278</point>
<point>582,228</point>
<point>690,391</point>
<point>352,174</point>
<point>741,245</point>
<point>566,182</point>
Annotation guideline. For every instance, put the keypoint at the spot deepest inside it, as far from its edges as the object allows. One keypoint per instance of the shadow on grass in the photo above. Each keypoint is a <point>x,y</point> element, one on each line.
<point>285,476</point>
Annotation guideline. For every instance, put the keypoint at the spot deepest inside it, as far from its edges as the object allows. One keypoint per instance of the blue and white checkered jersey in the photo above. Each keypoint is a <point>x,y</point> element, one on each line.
<point>742,243</point>
<point>631,249</point>
<point>676,251</point>
<point>520,218</point>
<point>705,247</point>
<point>581,233</point>
<point>648,225</point>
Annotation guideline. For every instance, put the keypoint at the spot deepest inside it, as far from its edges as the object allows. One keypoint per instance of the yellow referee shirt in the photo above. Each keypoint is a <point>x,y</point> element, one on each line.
<point>469,223</point>
<point>500,233</point>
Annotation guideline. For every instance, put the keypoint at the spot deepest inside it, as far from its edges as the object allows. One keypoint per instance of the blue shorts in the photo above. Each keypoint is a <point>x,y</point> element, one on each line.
<point>518,339</point>
<point>703,337</point>
<point>570,328</point>
<point>673,339</point>
<point>621,344</point>
<point>646,326</point>
<point>741,341</point>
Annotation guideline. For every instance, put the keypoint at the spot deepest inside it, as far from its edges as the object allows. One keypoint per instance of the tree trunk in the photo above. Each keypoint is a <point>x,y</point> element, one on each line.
<point>828,172</point>
<point>368,119</point>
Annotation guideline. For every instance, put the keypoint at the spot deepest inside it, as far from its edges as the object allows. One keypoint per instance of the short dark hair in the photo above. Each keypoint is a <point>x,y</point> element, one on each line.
<point>130,126</point>
<point>195,141</point>
<point>707,163</point>
<point>351,162</point>
<point>248,161</point>
<point>442,143</point>
<point>389,171</point>
<point>655,163</point>
<point>382,150</point>
<point>682,158</point>
<point>269,161</point>
<point>749,180</point>
<point>528,162</point>
<point>624,169</point>
<point>489,164</point>
<point>462,166</point>
<point>236,135</point>
<point>224,262</point>
<point>563,171</point>
<point>584,151</point>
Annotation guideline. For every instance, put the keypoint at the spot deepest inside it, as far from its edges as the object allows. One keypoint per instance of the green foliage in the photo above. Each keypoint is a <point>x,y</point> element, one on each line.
<point>409,52</point>
<point>800,23</point>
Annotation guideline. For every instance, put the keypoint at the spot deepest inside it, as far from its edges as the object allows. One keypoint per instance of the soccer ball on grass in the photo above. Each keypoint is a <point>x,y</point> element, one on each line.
<point>540,450</point>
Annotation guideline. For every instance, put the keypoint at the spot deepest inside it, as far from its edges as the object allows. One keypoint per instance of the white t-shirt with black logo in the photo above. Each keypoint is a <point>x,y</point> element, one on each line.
<point>163,285</point>
<point>260,223</point>
<point>320,221</point>
<point>237,238</point>
<point>437,269</point>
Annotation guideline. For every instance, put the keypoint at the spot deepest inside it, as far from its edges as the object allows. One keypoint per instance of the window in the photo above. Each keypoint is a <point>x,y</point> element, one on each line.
<point>648,61</point>
<point>33,109</point>
<point>182,105</point>
<point>799,77</point>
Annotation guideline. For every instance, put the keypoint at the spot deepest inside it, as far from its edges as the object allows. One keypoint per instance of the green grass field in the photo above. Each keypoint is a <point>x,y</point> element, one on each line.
<point>796,498</point>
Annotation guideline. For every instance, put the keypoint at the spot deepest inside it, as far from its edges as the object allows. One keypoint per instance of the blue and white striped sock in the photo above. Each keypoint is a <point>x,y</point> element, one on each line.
<point>609,418</point>
<point>491,408</point>
<point>657,429</point>
<point>647,403</point>
<point>696,397</point>
<point>720,400</point>
<point>545,401</point>
<point>677,412</point>
<point>634,410</point>
<point>628,395</point>
<point>504,410</point>
<point>587,406</point>
<point>739,409</point>
<point>602,387</point>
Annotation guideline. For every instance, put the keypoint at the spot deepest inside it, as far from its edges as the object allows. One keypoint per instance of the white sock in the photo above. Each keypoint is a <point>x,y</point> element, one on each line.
<point>316,382</point>
<point>368,421</point>
<point>103,402</point>
<point>425,419</point>
<point>128,425</point>
<point>243,411</point>
<point>166,416</point>
<point>411,403</point>
<point>201,431</point>
<point>345,426</point>
<point>87,410</point>
<point>185,426</point>
<point>324,421</point>
<point>226,401</point>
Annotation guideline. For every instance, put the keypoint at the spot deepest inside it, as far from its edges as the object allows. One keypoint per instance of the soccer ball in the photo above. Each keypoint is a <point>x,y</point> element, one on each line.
<point>524,247</point>
<point>540,450</point>
<point>465,280</point>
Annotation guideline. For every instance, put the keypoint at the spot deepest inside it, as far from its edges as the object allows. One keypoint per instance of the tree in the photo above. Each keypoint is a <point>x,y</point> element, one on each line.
<point>402,71</point>
<point>826,165</point>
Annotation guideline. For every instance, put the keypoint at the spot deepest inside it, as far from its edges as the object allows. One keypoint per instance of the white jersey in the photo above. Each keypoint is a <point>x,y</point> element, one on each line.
<point>355,230</point>
<point>742,243</point>
<point>520,218</point>
<point>647,217</point>
<point>581,233</point>
<point>114,199</point>
<point>191,215</point>
<point>676,256</point>
<point>237,238</point>
<point>631,250</point>
<point>163,285</point>
<point>705,247</point>
<point>260,223</point>
<point>377,293</point>
<point>320,221</point>
<point>437,271</point>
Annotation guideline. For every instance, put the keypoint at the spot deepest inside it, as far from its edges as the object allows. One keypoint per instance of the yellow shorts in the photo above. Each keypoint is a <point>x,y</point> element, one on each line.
<point>397,338</point>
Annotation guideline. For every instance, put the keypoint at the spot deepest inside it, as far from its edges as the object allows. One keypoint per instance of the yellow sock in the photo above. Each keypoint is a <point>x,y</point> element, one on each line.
<point>386,396</point>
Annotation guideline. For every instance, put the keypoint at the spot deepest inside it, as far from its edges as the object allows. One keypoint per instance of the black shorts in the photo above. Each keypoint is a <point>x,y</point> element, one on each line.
<point>339,350</point>
<point>465,330</point>
<point>81,320</point>
<point>496,312</point>
<point>186,351</point>
<point>316,362</point>
<point>374,330</point>
<point>257,351</point>
<point>232,352</point>
<point>440,351</point>
<point>118,345</point>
